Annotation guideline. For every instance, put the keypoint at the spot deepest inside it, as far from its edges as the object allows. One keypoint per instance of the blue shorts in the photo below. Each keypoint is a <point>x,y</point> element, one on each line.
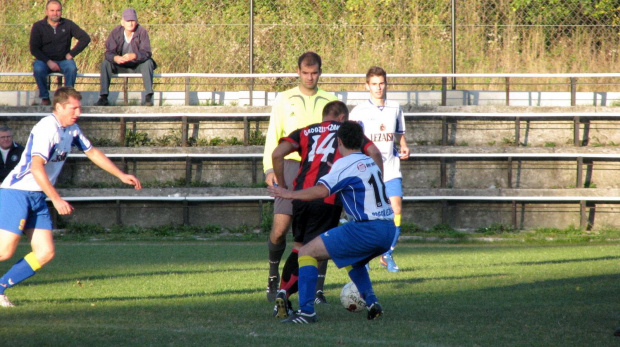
<point>394,187</point>
<point>356,243</point>
<point>22,210</point>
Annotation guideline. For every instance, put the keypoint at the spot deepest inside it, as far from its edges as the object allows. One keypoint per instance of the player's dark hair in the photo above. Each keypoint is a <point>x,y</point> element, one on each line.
<point>309,59</point>
<point>376,71</point>
<point>351,134</point>
<point>62,95</point>
<point>56,1</point>
<point>336,108</point>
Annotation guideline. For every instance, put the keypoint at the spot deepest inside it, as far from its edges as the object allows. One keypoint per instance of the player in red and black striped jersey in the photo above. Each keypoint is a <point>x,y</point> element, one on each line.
<point>318,148</point>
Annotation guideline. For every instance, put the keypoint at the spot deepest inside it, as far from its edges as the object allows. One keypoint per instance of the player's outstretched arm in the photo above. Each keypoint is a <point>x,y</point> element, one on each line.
<point>97,157</point>
<point>37,168</point>
<point>317,192</point>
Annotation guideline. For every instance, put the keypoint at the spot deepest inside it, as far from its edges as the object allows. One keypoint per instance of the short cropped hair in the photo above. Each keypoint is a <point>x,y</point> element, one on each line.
<point>62,95</point>
<point>309,59</point>
<point>336,108</point>
<point>56,1</point>
<point>376,71</point>
<point>351,134</point>
<point>6,129</point>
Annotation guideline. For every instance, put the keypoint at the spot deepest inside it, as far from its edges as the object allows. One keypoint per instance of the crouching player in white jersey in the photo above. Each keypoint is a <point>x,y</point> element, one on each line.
<point>22,195</point>
<point>384,124</point>
<point>357,179</point>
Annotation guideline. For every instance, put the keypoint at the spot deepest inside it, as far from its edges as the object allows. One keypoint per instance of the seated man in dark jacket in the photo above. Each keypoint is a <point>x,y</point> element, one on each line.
<point>50,44</point>
<point>11,152</point>
<point>127,50</point>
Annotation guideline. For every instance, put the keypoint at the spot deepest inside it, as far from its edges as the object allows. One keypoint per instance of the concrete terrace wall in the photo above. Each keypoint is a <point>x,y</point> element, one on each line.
<point>459,97</point>
<point>530,177</point>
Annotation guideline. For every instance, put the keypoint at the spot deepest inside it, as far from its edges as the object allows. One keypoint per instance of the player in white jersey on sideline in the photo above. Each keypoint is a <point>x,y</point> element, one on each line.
<point>357,180</point>
<point>22,195</point>
<point>384,124</point>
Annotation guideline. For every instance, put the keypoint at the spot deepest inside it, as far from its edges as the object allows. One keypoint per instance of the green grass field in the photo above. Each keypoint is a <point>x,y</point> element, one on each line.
<point>212,294</point>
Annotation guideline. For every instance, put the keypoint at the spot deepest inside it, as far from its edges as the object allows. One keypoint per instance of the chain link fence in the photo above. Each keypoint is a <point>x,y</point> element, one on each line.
<point>403,36</point>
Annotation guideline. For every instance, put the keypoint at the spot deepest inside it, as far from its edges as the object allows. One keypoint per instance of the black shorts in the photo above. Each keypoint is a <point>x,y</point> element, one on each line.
<point>312,218</point>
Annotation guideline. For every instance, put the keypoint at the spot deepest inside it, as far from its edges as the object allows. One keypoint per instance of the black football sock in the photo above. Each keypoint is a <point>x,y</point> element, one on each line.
<point>290,273</point>
<point>275,254</point>
<point>322,272</point>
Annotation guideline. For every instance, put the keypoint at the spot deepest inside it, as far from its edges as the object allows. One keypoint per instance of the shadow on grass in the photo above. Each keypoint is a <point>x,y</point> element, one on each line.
<point>36,281</point>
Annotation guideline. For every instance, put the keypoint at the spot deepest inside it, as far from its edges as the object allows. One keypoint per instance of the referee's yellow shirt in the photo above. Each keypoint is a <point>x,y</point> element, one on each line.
<point>293,110</point>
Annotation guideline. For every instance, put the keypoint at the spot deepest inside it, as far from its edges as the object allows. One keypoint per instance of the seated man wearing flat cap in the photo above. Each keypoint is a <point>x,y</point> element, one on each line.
<point>127,50</point>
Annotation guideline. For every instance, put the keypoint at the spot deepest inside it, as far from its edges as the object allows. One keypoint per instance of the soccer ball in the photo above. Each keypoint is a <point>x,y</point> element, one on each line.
<point>351,299</point>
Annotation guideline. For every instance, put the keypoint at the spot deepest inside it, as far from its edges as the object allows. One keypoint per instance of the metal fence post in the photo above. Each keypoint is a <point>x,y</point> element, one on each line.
<point>507,91</point>
<point>123,131</point>
<point>251,52</point>
<point>453,13</point>
<point>573,91</point>
<point>125,91</point>
<point>186,91</point>
<point>444,91</point>
<point>184,131</point>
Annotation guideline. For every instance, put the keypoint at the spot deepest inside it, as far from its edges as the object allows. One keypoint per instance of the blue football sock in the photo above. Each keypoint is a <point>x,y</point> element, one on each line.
<point>397,220</point>
<point>360,277</point>
<point>308,276</point>
<point>396,235</point>
<point>22,270</point>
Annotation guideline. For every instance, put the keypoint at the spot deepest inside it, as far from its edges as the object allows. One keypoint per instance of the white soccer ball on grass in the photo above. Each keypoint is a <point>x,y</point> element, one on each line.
<point>351,299</point>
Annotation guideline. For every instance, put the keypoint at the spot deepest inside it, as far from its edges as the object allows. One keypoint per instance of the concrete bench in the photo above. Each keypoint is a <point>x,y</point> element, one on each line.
<point>119,205</point>
<point>581,159</point>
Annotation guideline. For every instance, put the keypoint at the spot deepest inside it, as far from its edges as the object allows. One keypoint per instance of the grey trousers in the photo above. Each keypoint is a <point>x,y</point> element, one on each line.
<point>108,69</point>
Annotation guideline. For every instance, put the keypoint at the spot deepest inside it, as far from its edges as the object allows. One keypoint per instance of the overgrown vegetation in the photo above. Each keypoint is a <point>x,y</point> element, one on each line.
<point>88,232</point>
<point>440,232</point>
<point>174,139</point>
<point>412,36</point>
<point>496,229</point>
<point>507,233</point>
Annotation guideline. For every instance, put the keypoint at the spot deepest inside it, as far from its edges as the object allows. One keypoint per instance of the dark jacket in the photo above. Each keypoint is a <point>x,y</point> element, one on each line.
<point>53,43</point>
<point>15,153</point>
<point>140,44</point>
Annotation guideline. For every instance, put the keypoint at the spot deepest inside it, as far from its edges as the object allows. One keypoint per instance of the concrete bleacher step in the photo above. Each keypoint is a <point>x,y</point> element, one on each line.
<point>428,166</point>
<point>467,184</point>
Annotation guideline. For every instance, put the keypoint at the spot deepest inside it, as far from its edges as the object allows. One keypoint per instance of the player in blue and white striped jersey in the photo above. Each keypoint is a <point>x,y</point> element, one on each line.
<point>357,179</point>
<point>22,195</point>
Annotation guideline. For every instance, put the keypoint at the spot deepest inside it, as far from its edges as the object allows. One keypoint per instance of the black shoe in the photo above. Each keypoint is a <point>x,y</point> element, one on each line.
<point>375,311</point>
<point>46,102</point>
<point>148,100</point>
<point>272,288</point>
<point>320,299</point>
<point>301,318</point>
<point>103,101</point>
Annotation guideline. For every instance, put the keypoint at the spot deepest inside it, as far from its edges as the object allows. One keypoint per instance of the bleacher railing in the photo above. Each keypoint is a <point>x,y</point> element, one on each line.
<point>445,81</point>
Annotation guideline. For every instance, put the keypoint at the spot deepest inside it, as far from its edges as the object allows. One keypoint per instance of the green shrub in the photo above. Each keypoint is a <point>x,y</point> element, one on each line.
<point>494,229</point>
<point>410,228</point>
<point>266,217</point>
<point>136,139</point>
<point>444,229</point>
<point>256,138</point>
